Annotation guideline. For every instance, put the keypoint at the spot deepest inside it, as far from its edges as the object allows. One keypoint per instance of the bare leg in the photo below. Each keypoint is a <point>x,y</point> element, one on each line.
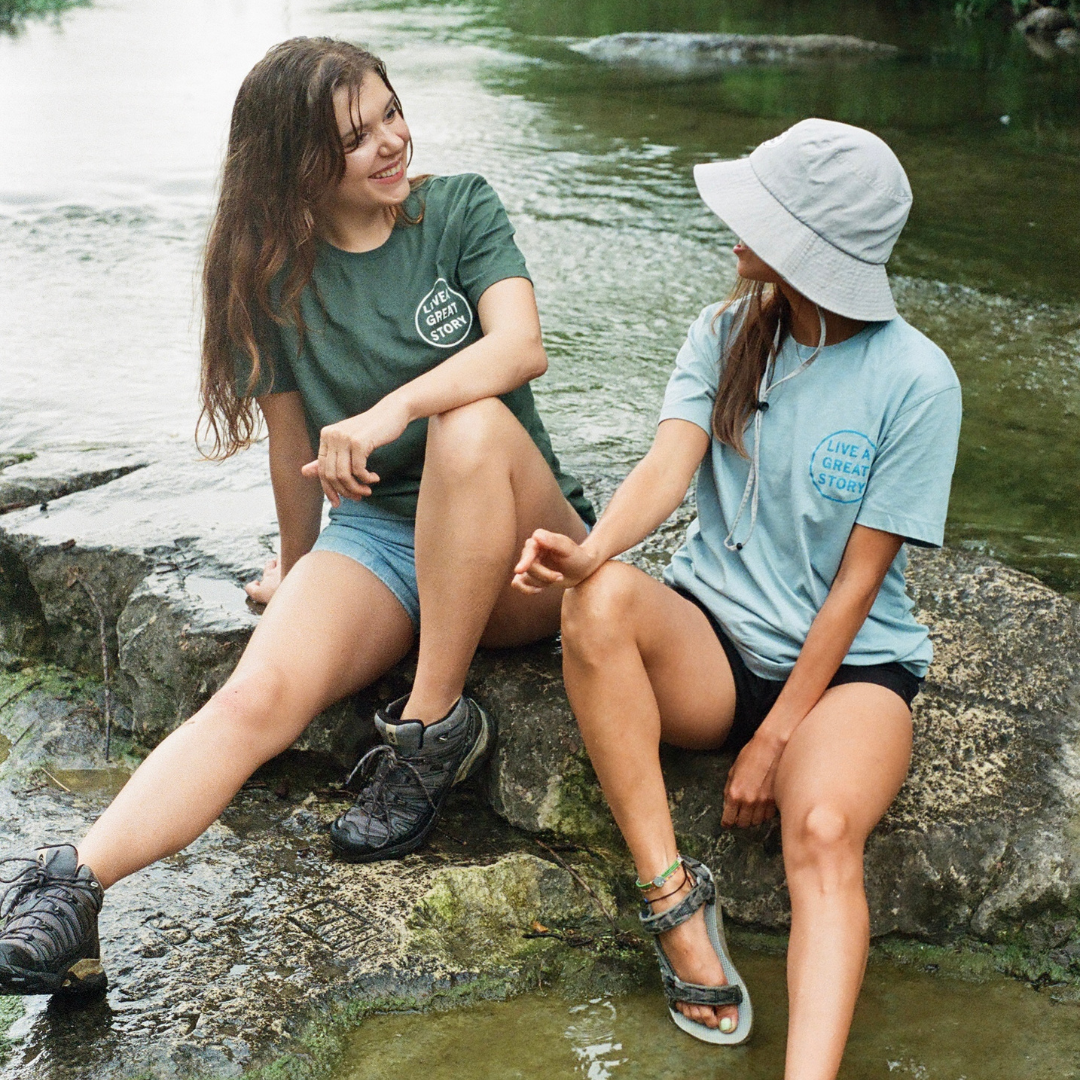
<point>642,665</point>
<point>331,628</point>
<point>838,774</point>
<point>485,489</point>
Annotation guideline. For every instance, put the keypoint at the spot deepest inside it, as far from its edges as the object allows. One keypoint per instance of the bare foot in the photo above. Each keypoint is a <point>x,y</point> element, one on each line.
<point>691,954</point>
<point>262,590</point>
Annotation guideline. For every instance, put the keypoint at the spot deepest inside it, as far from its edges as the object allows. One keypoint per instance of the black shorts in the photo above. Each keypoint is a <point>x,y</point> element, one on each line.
<point>755,696</point>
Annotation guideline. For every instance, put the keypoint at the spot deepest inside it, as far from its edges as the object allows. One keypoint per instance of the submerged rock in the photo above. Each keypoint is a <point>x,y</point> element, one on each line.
<point>692,53</point>
<point>1044,20</point>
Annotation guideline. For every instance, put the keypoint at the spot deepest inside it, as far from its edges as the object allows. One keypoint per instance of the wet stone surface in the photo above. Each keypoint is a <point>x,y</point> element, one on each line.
<point>219,957</point>
<point>698,54</point>
<point>254,946</point>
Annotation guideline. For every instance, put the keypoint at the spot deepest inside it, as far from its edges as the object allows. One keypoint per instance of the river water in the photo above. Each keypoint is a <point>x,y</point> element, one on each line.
<point>908,1026</point>
<point>112,124</point>
<point>113,119</point>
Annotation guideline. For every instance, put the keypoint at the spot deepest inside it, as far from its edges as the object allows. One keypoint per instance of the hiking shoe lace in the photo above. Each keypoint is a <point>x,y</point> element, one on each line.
<point>407,779</point>
<point>48,936</point>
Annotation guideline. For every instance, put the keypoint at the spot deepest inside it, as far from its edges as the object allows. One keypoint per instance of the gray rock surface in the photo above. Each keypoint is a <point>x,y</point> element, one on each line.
<point>34,479</point>
<point>981,841</point>
<point>689,53</point>
<point>980,845</point>
<point>254,946</point>
<point>1068,39</point>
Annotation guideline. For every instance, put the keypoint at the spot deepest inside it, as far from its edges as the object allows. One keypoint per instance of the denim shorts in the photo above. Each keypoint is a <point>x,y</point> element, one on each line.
<point>379,540</point>
<point>755,696</point>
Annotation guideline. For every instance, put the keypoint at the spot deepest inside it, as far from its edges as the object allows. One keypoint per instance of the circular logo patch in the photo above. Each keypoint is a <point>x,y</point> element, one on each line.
<point>840,466</point>
<point>444,317</point>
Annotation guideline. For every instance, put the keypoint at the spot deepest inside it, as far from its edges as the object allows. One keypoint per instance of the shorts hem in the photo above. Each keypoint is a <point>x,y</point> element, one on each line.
<point>755,695</point>
<point>377,565</point>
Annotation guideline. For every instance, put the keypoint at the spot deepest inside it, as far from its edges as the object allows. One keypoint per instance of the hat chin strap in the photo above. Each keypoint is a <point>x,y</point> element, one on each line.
<point>753,484</point>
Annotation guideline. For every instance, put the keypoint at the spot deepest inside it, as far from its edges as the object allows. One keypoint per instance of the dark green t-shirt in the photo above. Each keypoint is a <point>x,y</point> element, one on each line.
<point>387,316</point>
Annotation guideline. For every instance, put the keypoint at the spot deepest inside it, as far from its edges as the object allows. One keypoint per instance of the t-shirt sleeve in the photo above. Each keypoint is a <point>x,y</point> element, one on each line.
<point>908,490</point>
<point>691,390</point>
<point>488,251</point>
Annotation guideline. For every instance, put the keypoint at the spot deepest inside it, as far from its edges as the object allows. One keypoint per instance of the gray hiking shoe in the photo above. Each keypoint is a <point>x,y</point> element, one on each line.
<point>49,936</point>
<point>408,778</point>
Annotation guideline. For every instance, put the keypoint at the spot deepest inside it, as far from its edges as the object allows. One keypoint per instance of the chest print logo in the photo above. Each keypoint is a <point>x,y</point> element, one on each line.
<point>444,317</point>
<point>840,465</point>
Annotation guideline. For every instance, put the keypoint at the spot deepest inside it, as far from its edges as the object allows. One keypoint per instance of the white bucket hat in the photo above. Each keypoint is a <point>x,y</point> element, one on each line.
<point>822,204</point>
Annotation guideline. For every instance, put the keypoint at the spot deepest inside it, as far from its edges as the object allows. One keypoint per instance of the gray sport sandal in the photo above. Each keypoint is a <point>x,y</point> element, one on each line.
<point>703,894</point>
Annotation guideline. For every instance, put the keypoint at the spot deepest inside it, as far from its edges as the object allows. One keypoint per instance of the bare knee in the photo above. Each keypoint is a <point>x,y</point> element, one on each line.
<point>255,703</point>
<point>597,615</point>
<point>470,437</point>
<point>822,849</point>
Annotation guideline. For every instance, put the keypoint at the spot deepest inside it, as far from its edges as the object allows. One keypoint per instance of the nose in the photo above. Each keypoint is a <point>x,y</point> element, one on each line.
<point>392,141</point>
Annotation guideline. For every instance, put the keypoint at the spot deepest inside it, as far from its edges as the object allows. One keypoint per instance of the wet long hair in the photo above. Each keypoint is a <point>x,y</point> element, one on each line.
<point>760,308</point>
<point>285,154</point>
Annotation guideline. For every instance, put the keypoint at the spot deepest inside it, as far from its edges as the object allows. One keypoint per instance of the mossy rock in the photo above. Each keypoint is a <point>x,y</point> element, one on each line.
<point>479,916</point>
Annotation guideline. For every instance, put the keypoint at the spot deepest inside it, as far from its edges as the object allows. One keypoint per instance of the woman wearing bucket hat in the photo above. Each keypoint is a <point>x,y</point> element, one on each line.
<point>825,428</point>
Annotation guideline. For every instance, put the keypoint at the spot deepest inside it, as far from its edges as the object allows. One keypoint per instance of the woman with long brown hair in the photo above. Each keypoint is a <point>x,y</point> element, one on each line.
<point>386,331</point>
<point>823,429</point>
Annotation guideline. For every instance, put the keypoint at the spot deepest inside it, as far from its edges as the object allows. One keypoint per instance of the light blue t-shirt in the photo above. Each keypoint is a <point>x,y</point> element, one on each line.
<point>867,434</point>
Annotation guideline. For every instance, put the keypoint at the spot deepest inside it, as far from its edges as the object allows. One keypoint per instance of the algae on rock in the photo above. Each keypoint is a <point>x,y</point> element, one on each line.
<point>478,916</point>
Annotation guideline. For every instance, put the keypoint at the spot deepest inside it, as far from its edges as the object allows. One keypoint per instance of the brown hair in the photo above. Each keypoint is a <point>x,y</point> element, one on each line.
<point>762,308</point>
<point>285,153</point>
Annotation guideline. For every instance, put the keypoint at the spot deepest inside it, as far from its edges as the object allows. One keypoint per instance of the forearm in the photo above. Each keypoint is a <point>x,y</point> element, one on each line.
<point>490,367</point>
<point>298,501</point>
<point>643,501</point>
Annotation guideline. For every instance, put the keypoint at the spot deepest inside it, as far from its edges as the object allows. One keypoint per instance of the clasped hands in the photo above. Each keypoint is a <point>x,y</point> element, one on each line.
<point>551,559</point>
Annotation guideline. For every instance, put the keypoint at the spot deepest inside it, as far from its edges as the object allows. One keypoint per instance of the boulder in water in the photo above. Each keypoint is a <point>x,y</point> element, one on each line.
<point>693,53</point>
<point>1044,20</point>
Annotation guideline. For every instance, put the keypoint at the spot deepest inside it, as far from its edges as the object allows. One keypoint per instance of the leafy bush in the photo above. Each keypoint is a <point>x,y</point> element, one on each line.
<point>13,11</point>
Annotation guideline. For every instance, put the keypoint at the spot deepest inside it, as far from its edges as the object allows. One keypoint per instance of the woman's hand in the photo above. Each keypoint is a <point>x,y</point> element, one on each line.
<point>344,449</point>
<point>260,591</point>
<point>748,793</point>
<point>550,558</point>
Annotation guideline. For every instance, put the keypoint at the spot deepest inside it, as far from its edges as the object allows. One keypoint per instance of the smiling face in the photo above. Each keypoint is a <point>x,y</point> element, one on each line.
<point>376,142</point>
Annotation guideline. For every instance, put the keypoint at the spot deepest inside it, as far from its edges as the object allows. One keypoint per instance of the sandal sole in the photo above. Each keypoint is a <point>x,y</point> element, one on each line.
<point>702,1032</point>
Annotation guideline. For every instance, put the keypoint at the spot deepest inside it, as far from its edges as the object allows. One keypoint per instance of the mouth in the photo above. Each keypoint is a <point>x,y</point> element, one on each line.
<point>391,173</point>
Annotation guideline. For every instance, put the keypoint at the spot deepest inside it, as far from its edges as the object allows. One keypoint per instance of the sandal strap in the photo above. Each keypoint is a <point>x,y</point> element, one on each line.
<point>695,994</point>
<point>703,892</point>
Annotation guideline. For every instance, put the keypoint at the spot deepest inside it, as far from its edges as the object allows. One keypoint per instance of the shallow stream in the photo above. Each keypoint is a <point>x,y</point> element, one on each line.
<point>113,117</point>
<point>909,1025</point>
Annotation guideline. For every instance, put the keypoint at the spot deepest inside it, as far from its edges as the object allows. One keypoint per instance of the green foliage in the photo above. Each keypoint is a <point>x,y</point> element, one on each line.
<point>11,1009</point>
<point>12,12</point>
